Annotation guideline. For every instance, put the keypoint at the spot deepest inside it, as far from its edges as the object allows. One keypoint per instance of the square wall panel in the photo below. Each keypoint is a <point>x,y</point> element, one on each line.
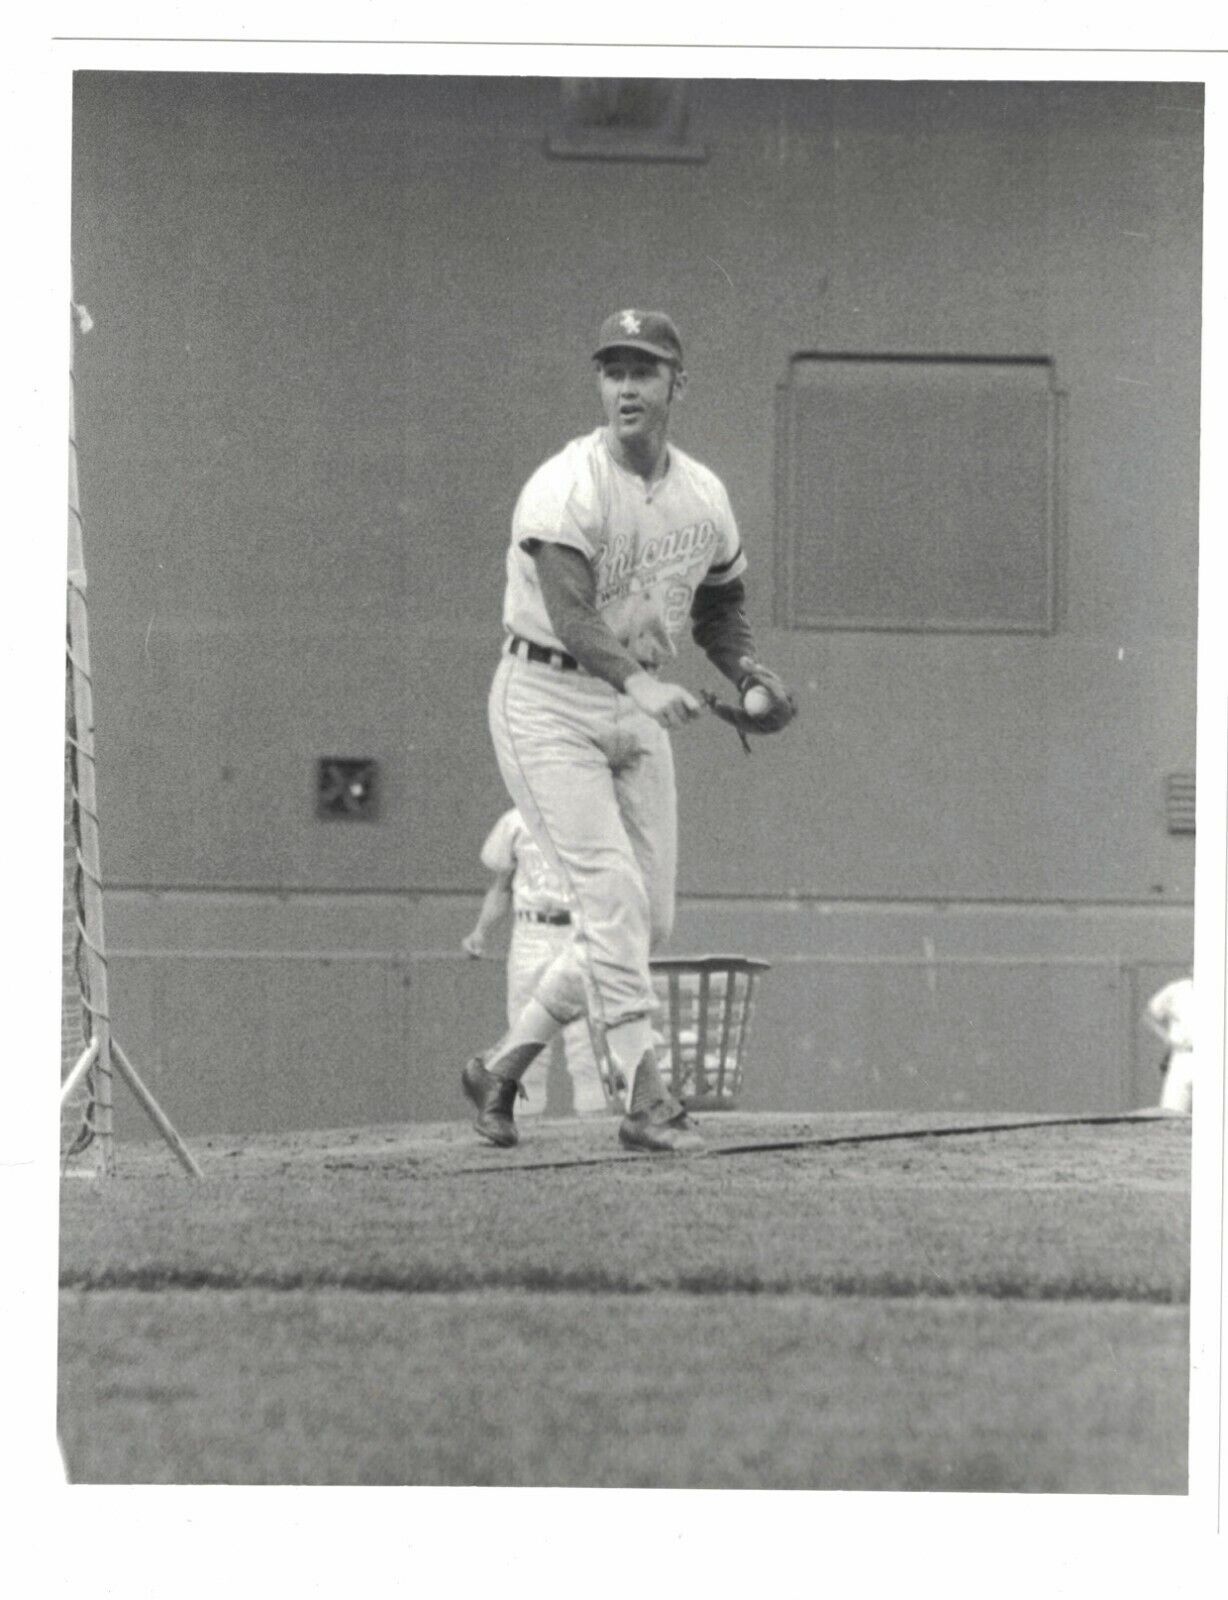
<point>918,493</point>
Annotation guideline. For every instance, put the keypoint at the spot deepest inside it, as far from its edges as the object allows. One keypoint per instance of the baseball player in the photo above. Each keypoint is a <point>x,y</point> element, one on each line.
<point>1170,1015</point>
<point>619,542</point>
<point>526,887</point>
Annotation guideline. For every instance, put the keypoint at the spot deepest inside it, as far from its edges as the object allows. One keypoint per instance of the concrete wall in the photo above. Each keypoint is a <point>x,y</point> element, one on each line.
<point>338,322</point>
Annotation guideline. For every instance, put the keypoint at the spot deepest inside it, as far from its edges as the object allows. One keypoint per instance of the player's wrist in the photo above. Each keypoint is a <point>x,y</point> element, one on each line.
<point>641,685</point>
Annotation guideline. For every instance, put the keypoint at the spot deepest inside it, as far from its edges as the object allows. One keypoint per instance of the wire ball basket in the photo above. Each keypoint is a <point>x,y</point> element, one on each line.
<point>707,1003</point>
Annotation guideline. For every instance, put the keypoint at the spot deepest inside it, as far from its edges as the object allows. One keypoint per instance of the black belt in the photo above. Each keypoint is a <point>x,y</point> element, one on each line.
<point>556,919</point>
<point>528,651</point>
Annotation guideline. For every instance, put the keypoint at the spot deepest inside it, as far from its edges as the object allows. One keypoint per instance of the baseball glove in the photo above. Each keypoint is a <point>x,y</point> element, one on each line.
<point>781,710</point>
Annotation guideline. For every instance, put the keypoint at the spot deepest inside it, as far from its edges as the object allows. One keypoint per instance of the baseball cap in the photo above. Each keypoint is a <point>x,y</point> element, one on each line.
<point>640,330</point>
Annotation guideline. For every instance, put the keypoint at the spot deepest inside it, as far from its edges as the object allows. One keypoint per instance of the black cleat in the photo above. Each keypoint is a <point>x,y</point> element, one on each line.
<point>663,1127</point>
<point>494,1098</point>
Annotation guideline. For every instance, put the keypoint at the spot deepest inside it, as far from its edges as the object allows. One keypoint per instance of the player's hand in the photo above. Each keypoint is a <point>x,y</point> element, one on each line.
<point>667,703</point>
<point>766,698</point>
<point>473,946</point>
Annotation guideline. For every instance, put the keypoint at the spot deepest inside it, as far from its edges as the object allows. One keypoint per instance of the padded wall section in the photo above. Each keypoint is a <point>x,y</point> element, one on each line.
<point>264,1013</point>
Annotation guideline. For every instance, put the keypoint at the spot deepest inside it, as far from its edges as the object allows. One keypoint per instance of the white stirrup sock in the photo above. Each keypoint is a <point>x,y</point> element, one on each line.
<point>629,1043</point>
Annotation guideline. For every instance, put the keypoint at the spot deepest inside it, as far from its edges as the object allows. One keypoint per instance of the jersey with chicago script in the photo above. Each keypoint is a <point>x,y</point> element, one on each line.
<point>510,847</point>
<point>650,545</point>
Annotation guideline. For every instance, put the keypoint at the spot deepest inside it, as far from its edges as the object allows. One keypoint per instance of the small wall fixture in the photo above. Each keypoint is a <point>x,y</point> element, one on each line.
<point>346,787</point>
<point>623,119</point>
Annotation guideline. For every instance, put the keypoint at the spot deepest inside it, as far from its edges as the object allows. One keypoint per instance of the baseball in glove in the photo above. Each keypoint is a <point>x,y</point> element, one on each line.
<point>767,703</point>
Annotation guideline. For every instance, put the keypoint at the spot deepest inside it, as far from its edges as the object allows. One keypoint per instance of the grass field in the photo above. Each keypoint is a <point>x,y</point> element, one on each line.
<point>865,1306</point>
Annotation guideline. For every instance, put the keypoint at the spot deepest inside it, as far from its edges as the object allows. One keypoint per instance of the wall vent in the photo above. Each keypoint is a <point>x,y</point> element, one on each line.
<point>1179,802</point>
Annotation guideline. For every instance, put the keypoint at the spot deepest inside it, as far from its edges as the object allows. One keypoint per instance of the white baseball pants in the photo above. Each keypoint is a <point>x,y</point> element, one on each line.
<point>593,778</point>
<point>1177,1090</point>
<point>534,947</point>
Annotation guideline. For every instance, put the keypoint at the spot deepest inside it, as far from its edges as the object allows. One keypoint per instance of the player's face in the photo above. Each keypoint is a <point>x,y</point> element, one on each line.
<point>636,394</point>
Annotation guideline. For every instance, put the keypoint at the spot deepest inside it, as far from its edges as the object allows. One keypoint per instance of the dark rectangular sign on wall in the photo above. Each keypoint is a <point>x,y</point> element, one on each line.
<point>918,493</point>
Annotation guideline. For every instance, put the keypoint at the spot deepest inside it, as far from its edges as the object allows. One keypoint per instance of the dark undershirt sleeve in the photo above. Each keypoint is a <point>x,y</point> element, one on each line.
<point>720,628</point>
<point>569,589</point>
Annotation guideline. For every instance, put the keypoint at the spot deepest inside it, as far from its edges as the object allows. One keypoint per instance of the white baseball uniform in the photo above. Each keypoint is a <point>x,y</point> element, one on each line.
<point>541,929</point>
<point>1171,1013</point>
<point>591,774</point>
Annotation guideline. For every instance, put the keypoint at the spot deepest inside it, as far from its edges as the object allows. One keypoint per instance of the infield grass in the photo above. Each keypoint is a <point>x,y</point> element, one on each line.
<point>994,1311</point>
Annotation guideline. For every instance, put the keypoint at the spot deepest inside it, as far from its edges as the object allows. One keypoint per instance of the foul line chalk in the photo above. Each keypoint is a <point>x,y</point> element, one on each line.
<point>821,1141</point>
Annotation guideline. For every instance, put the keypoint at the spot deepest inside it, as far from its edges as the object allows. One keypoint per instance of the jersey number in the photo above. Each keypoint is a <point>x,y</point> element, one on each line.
<point>677,606</point>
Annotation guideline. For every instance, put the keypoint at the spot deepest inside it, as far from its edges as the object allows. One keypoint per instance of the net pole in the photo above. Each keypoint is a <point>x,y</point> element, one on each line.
<point>155,1112</point>
<point>90,933</point>
<point>84,1062</point>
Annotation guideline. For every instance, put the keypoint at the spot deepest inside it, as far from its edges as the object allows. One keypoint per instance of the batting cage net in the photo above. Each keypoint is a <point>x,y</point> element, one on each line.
<point>89,1055</point>
<point>77,1106</point>
<point>85,1059</point>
